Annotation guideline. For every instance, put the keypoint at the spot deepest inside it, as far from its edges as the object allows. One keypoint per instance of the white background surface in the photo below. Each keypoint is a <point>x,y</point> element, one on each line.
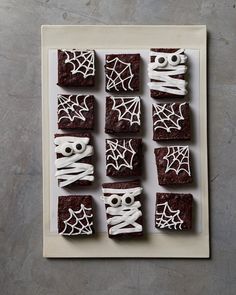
<point>149,177</point>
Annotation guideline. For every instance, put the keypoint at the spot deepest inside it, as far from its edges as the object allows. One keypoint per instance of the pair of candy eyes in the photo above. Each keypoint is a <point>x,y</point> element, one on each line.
<point>173,60</point>
<point>115,200</point>
<point>67,149</point>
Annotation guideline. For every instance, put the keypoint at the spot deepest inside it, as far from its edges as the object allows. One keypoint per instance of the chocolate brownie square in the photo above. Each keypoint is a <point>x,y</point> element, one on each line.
<point>75,111</point>
<point>76,68</point>
<point>173,165</point>
<point>123,157</point>
<point>122,72</point>
<point>122,114</point>
<point>75,215</point>
<point>74,159</point>
<point>173,211</point>
<point>171,121</point>
<point>123,209</point>
<point>167,72</point>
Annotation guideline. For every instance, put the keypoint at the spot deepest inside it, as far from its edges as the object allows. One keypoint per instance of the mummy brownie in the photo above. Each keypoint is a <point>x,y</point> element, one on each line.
<point>171,121</point>
<point>75,215</point>
<point>173,211</point>
<point>173,165</point>
<point>166,70</point>
<point>122,114</point>
<point>75,111</point>
<point>123,157</point>
<point>74,159</point>
<point>123,209</point>
<point>76,68</point>
<point>122,72</point>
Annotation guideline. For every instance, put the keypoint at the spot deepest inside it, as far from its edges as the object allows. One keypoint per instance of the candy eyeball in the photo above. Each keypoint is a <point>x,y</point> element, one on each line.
<point>161,61</point>
<point>114,200</point>
<point>128,200</point>
<point>174,59</point>
<point>67,149</point>
<point>79,147</point>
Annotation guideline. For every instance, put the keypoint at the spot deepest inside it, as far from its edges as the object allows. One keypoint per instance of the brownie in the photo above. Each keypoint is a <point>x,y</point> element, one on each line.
<point>123,209</point>
<point>173,165</point>
<point>122,72</point>
<point>122,114</point>
<point>74,159</point>
<point>173,211</point>
<point>171,121</point>
<point>167,73</point>
<point>123,157</point>
<point>75,111</point>
<point>76,68</point>
<point>75,215</point>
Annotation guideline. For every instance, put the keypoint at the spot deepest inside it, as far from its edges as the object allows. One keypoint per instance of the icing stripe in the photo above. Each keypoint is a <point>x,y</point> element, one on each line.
<point>124,216</point>
<point>73,170</point>
<point>135,190</point>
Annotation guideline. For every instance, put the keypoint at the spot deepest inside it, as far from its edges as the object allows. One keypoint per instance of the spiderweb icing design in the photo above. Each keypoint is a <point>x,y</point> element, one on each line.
<point>162,75</point>
<point>70,108</point>
<point>81,61</point>
<point>177,159</point>
<point>167,218</point>
<point>118,74</point>
<point>123,217</point>
<point>165,117</point>
<point>78,222</point>
<point>120,154</point>
<point>128,109</point>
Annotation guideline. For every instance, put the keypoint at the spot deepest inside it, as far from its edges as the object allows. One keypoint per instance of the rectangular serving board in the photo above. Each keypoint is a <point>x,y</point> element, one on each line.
<point>133,39</point>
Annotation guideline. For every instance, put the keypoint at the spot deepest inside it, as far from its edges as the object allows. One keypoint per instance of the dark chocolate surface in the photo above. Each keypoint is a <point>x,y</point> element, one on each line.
<point>181,202</point>
<point>122,184</point>
<point>183,134</point>
<point>123,70</point>
<point>170,177</point>
<point>112,123</point>
<point>86,108</point>
<point>124,171</point>
<point>72,202</point>
<point>66,78</point>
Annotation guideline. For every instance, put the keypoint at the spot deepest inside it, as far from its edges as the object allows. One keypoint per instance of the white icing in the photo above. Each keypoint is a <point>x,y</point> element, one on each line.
<point>72,109</point>
<point>115,77</point>
<point>73,171</point>
<point>123,215</point>
<point>126,192</point>
<point>118,154</point>
<point>167,218</point>
<point>128,108</point>
<point>177,155</point>
<point>166,117</point>
<point>82,62</point>
<point>78,225</point>
<point>163,73</point>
